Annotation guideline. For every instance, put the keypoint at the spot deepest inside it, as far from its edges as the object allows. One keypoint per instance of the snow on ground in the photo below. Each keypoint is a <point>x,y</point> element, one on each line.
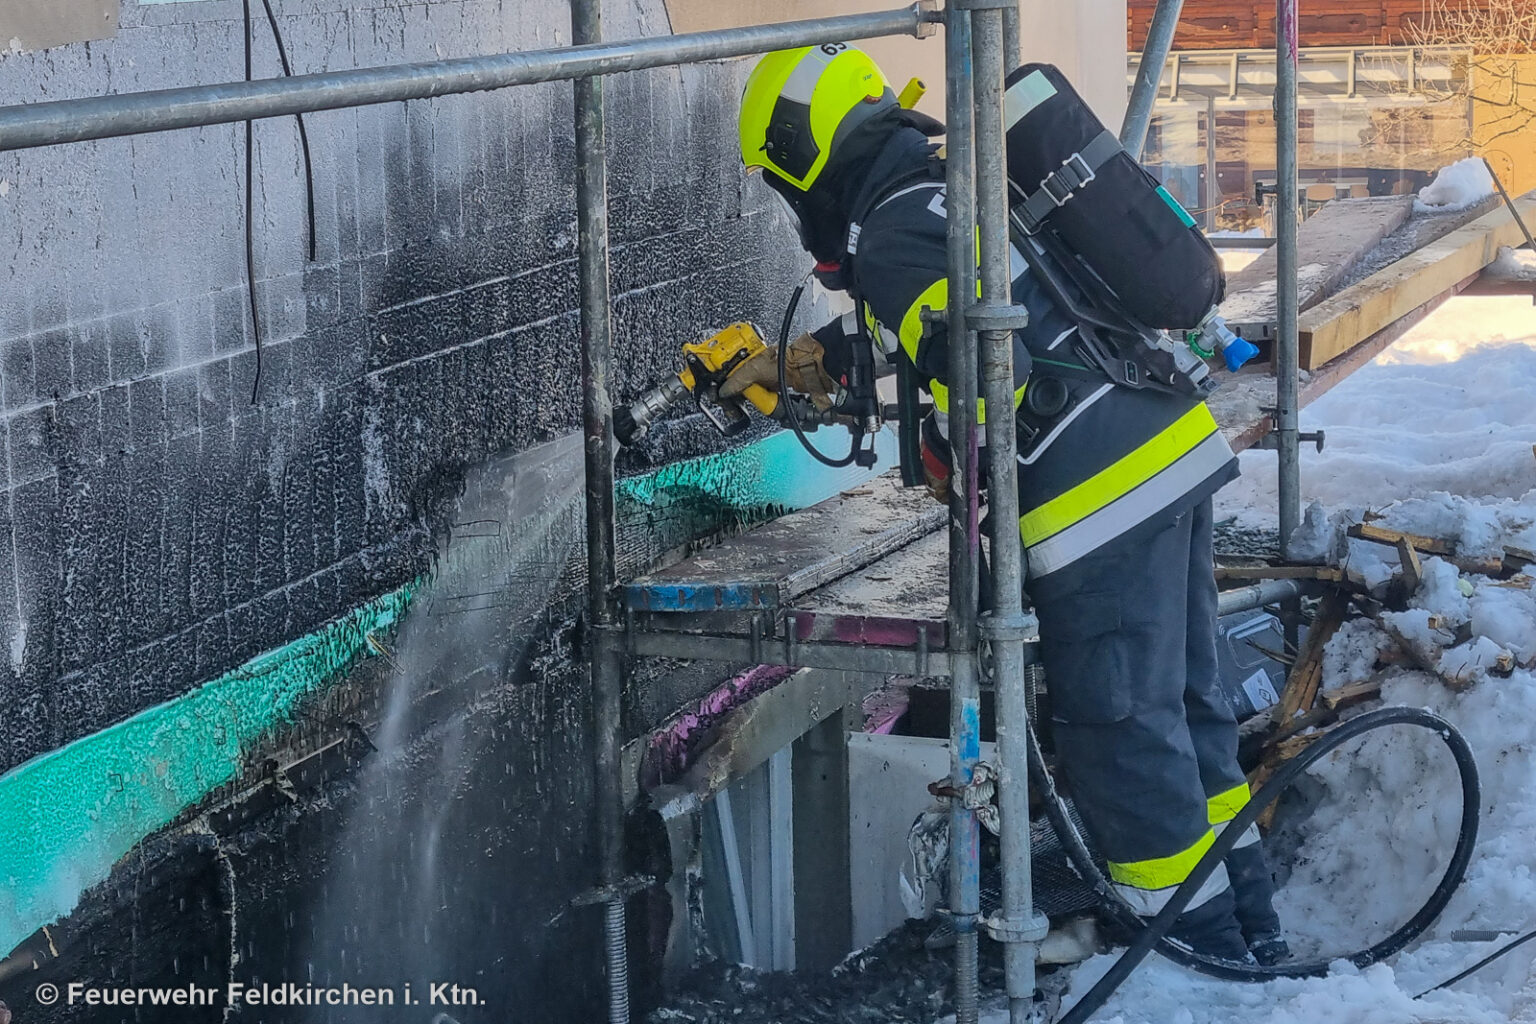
<point>1443,425</point>
<point>1450,408</point>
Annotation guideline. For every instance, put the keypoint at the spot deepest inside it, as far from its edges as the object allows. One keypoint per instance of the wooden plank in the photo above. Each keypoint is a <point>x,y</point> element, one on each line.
<point>895,602</point>
<point>1330,244</point>
<point>1326,573</point>
<point>1513,273</point>
<point>1335,326</point>
<point>1428,545</point>
<point>777,562</point>
<point>1413,569</point>
<point>1326,378</point>
<point>1307,674</point>
<point>1343,697</point>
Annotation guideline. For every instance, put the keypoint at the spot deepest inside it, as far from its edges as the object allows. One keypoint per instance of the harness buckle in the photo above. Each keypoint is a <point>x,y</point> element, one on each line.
<point>1061,185</point>
<point>1078,165</point>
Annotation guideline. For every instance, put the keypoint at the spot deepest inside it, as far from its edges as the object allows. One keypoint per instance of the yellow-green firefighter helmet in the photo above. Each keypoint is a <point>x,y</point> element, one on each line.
<point>799,104</point>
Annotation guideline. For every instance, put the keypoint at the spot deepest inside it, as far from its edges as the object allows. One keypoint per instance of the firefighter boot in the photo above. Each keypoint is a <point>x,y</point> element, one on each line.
<point>1211,929</point>
<point>1254,889</point>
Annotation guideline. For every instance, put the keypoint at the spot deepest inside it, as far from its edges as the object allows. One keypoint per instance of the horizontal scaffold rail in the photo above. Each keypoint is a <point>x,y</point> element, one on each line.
<point>30,125</point>
<point>785,650</point>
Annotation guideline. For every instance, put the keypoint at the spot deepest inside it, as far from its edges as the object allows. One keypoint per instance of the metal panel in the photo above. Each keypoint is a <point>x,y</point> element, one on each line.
<point>823,907</point>
<point>35,25</point>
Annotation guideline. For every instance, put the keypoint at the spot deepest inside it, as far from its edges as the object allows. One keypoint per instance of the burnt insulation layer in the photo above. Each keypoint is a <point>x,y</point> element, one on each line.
<point>510,556</point>
<point>157,526</point>
<point>158,529</point>
<point>70,815</point>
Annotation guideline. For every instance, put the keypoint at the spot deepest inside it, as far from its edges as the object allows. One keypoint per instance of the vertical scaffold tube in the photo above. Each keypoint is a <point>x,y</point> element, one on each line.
<point>1012,57</point>
<point>1149,75</point>
<point>965,512</point>
<point>597,429</point>
<point>1006,627</point>
<point>1287,183</point>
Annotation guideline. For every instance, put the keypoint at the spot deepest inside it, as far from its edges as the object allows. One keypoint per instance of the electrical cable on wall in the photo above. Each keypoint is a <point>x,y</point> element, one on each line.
<point>309,166</point>
<point>250,198</point>
<point>250,205</point>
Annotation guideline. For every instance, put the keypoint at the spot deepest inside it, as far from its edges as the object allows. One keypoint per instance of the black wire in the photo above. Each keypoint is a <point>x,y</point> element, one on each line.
<point>1154,934</point>
<point>1484,962</point>
<point>309,166</point>
<point>791,415</point>
<point>250,207</point>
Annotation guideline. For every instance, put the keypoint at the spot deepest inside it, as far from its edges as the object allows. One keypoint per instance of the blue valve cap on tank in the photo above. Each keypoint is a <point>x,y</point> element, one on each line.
<point>1237,352</point>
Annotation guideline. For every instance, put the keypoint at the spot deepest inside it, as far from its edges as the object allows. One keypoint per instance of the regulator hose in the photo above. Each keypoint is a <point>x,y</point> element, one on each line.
<point>790,414</point>
<point>1154,934</point>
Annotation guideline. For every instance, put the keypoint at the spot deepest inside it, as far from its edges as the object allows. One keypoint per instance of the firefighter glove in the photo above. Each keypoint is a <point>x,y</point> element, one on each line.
<point>804,370</point>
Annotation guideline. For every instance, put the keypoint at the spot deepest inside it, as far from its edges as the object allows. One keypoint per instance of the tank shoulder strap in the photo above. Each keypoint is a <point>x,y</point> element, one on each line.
<point>1060,186</point>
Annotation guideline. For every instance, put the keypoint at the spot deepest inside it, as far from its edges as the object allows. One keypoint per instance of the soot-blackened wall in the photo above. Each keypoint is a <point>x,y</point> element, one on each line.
<point>157,526</point>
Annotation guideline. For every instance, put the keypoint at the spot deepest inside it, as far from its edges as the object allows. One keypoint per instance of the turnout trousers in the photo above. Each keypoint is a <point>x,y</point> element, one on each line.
<point>1146,741</point>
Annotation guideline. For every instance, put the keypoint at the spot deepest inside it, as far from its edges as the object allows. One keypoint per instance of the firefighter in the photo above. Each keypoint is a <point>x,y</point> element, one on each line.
<point>1115,491</point>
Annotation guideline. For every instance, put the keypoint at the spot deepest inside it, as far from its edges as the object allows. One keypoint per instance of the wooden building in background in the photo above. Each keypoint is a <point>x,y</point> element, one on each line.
<point>1245,25</point>
<point>1385,100</point>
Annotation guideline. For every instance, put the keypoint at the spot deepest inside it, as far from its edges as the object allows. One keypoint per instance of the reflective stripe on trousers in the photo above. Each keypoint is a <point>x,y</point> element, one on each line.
<point>1148,885</point>
<point>1223,807</point>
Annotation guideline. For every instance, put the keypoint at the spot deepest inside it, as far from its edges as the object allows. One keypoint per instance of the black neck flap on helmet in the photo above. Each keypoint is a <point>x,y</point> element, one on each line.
<point>822,213</point>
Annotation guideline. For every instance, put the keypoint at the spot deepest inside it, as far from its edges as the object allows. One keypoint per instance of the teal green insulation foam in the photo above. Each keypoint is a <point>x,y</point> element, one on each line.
<point>773,471</point>
<point>69,815</point>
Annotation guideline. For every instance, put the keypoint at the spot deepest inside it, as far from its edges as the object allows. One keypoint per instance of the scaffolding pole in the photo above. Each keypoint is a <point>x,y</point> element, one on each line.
<point>1006,628</point>
<point>30,125</point>
<point>965,511</point>
<point>1287,183</point>
<point>606,665</point>
<point>1149,75</point>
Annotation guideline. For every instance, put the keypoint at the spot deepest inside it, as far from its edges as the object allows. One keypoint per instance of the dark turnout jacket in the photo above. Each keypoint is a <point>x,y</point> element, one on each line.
<point>1116,461</point>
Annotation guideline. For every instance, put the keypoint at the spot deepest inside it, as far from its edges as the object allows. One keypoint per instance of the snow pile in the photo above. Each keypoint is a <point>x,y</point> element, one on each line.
<point>1456,187</point>
<point>1378,841</point>
<point>1438,436</point>
<point>1447,409</point>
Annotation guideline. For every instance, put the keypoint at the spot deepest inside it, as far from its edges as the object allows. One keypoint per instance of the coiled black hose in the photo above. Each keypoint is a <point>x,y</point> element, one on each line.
<point>1154,934</point>
<point>791,415</point>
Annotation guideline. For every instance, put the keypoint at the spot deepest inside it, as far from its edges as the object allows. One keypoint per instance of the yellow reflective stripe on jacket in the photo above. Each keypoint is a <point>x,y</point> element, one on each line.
<point>1162,872</point>
<point>936,297</point>
<point>1223,807</point>
<point>1131,509</point>
<point>940,395</point>
<point>1130,472</point>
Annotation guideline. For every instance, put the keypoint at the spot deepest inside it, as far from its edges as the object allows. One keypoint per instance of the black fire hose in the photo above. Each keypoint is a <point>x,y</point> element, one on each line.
<point>1154,934</point>
<point>791,415</point>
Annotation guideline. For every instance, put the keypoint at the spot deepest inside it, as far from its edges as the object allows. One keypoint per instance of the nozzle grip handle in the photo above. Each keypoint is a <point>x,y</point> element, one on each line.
<point>763,400</point>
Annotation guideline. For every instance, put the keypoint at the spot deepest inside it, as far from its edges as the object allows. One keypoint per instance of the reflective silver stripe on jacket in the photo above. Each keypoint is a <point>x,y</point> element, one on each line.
<point>1131,509</point>
<point>1066,421</point>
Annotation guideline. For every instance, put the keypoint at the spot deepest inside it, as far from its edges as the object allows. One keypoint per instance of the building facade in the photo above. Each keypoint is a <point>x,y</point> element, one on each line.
<point>1390,90</point>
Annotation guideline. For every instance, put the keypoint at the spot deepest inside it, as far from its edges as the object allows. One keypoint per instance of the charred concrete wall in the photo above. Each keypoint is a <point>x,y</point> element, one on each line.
<point>158,526</point>
<point>174,503</point>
